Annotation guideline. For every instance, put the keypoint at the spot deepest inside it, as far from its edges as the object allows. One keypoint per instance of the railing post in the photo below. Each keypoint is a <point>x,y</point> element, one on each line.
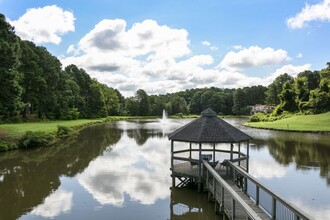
<point>257,194</point>
<point>274,208</point>
<point>239,153</point>
<point>245,185</point>
<point>233,209</point>
<point>172,163</point>
<point>222,207</point>
<point>214,188</point>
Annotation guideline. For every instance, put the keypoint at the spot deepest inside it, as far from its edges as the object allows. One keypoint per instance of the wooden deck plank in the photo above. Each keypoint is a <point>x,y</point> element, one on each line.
<point>185,169</point>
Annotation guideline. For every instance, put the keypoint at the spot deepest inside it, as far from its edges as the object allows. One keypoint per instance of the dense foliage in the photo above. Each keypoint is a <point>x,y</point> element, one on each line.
<point>34,84</point>
<point>33,81</point>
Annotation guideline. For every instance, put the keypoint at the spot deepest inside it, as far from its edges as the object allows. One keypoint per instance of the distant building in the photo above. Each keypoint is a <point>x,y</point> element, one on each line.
<point>262,108</point>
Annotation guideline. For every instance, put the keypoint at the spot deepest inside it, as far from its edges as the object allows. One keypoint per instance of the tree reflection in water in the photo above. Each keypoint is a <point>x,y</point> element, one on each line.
<point>123,169</point>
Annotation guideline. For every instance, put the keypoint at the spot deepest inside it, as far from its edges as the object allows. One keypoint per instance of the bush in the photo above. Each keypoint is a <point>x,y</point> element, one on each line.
<point>259,116</point>
<point>35,139</point>
<point>3,147</point>
<point>63,130</point>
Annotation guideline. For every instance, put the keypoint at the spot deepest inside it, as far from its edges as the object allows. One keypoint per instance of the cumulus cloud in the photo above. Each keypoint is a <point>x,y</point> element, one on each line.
<point>290,69</point>
<point>44,25</point>
<point>253,56</point>
<point>317,12</point>
<point>147,38</point>
<point>158,59</point>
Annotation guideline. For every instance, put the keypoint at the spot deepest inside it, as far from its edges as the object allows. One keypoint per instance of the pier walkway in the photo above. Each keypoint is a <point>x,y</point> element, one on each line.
<point>235,193</point>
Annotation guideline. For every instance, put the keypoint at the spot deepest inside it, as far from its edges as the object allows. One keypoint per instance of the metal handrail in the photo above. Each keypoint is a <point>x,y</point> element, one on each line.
<point>298,212</point>
<point>248,210</point>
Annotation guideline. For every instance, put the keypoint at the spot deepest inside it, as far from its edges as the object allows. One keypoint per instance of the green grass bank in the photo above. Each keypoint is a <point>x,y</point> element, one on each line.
<point>43,133</point>
<point>304,123</point>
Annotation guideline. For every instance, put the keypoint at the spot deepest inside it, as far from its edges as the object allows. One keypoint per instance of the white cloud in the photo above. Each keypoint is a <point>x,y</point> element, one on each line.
<point>209,45</point>
<point>55,204</point>
<point>299,55</point>
<point>158,59</point>
<point>238,47</point>
<point>143,39</point>
<point>44,25</point>
<point>320,11</point>
<point>206,43</point>
<point>290,69</point>
<point>253,56</point>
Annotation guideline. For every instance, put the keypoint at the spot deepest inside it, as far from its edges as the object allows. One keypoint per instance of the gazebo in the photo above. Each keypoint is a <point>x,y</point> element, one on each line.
<point>206,132</point>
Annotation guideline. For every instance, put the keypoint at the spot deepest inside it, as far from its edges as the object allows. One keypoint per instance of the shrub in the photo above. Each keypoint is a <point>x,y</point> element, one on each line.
<point>63,130</point>
<point>259,116</point>
<point>35,139</point>
<point>4,147</point>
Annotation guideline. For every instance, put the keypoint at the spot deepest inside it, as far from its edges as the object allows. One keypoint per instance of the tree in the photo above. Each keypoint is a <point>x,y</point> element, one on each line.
<point>143,102</point>
<point>240,103</point>
<point>10,96</point>
<point>195,106</point>
<point>111,100</point>
<point>276,87</point>
<point>177,105</point>
<point>131,106</point>
<point>288,98</point>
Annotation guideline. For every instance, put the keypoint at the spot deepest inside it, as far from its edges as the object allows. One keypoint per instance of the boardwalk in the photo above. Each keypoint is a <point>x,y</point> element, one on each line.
<point>230,194</point>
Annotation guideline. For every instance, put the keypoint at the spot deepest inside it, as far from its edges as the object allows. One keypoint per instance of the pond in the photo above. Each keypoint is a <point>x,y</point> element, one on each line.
<point>121,171</point>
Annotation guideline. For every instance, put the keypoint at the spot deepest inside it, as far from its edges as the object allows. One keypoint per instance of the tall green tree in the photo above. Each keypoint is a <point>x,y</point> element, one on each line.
<point>10,96</point>
<point>177,105</point>
<point>240,103</point>
<point>276,87</point>
<point>142,99</point>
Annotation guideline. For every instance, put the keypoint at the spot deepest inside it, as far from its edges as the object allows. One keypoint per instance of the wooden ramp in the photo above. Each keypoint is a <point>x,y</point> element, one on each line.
<point>227,188</point>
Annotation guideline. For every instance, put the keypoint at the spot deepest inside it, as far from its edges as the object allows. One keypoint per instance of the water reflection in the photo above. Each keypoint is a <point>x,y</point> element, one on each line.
<point>29,177</point>
<point>55,204</point>
<point>305,150</point>
<point>140,173</point>
<point>187,204</point>
<point>122,170</point>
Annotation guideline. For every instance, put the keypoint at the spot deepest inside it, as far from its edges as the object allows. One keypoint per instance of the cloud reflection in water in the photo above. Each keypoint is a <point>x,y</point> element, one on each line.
<point>141,172</point>
<point>55,204</point>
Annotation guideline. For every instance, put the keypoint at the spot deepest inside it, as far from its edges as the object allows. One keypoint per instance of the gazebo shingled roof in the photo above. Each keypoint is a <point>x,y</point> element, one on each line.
<point>209,129</point>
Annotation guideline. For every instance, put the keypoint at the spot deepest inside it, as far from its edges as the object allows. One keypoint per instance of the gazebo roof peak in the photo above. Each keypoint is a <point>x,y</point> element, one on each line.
<point>209,129</point>
<point>208,113</point>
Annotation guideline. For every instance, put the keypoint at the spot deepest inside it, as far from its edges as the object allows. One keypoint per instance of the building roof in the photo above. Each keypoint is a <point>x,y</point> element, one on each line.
<point>208,129</point>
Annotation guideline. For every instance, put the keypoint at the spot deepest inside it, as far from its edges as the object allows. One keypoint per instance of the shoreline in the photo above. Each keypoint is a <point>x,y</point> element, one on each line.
<point>288,130</point>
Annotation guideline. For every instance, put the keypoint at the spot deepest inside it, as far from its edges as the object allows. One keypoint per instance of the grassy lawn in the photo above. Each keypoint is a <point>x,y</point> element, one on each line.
<point>18,129</point>
<point>320,122</point>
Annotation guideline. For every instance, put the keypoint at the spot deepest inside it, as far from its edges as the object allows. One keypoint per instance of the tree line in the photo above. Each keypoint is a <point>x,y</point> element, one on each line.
<point>33,81</point>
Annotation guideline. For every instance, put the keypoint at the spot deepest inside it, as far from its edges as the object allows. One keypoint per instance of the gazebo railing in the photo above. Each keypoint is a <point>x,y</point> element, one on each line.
<point>230,202</point>
<point>274,205</point>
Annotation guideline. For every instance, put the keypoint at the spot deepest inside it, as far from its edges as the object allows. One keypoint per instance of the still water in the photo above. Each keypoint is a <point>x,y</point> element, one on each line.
<point>121,171</point>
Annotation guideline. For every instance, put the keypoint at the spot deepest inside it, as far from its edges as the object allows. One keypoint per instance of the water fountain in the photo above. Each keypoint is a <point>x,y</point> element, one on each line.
<point>164,119</point>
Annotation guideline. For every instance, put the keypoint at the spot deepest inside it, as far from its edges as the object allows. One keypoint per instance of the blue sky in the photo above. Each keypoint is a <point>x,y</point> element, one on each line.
<point>168,46</point>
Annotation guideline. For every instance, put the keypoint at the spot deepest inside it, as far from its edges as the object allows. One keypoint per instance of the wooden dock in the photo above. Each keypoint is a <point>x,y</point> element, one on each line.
<point>226,185</point>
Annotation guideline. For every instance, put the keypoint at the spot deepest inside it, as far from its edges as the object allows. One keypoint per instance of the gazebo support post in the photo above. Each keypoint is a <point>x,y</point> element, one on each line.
<point>200,169</point>
<point>231,151</point>
<point>248,156</point>
<point>213,153</point>
<point>172,163</point>
<point>231,158</point>
<point>190,150</point>
<point>239,153</point>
